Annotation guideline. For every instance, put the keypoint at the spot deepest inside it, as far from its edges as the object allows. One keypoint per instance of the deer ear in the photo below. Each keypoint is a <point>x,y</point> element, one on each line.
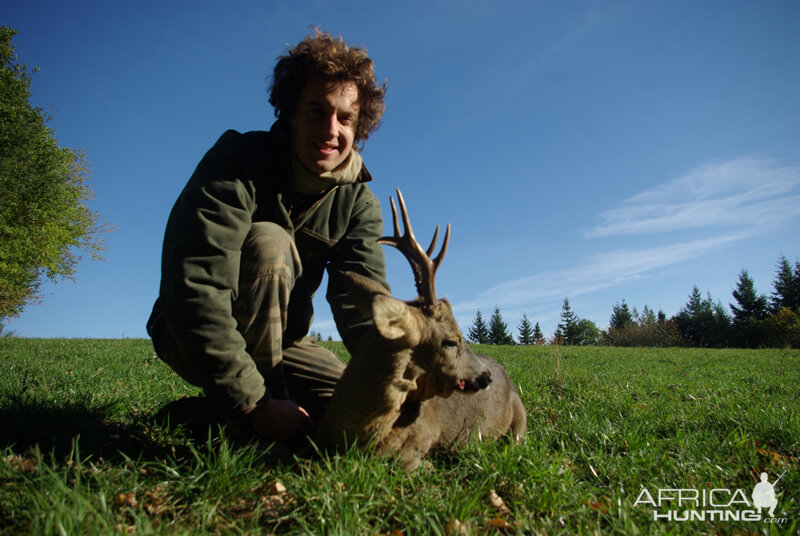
<point>395,320</point>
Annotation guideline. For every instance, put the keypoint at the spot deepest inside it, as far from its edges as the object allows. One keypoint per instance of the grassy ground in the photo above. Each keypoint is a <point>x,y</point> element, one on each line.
<point>79,453</point>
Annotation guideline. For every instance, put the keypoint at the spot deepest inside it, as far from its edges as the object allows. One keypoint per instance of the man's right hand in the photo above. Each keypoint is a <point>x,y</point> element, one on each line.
<point>280,420</point>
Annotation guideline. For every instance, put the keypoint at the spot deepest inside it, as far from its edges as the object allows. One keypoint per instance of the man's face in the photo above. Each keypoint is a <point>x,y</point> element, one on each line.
<point>323,124</point>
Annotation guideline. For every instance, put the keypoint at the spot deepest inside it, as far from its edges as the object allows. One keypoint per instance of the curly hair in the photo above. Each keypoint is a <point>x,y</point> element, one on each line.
<point>323,55</point>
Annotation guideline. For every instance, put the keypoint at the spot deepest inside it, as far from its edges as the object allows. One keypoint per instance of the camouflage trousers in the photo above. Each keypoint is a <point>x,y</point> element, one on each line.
<point>297,370</point>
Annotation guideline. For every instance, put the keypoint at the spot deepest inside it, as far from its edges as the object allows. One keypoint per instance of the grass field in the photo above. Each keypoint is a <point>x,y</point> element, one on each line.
<point>80,455</point>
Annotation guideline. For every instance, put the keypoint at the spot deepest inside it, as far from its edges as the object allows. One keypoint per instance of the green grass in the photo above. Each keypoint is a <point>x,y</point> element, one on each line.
<point>80,455</point>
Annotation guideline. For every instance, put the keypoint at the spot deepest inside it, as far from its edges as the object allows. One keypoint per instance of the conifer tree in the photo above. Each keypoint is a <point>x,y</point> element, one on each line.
<point>478,333</point>
<point>787,287</point>
<point>538,336</point>
<point>525,331</point>
<point>567,329</point>
<point>498,330</point>
<point>648,317</point>
<point>750,305</point>
<point>620,316</point>
<point>703,322</point>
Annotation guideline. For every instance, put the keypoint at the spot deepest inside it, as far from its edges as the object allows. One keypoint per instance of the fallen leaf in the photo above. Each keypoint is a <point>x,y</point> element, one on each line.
<point>18,463</point>
<point>600,505</point>
<point>455,527</point>
<point>498,523</point>
<point>126,499</point>
<point>498,503</point>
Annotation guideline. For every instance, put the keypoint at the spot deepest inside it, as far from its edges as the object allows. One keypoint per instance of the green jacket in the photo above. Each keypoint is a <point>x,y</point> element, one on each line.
<point>243,179</point>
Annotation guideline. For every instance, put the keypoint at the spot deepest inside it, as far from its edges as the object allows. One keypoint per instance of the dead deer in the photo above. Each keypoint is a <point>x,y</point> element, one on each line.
<point>370,405</point>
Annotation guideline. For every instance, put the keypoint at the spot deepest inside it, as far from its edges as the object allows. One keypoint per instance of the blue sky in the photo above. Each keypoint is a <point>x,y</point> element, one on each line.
<point>589,150</point>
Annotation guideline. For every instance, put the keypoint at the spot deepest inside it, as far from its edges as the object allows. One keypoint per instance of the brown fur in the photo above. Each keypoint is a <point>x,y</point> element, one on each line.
<point>369,405</point>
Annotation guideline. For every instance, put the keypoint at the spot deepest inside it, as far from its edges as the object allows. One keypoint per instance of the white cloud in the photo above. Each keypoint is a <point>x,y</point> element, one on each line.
<point>598,272</point>
<point>742,192</point>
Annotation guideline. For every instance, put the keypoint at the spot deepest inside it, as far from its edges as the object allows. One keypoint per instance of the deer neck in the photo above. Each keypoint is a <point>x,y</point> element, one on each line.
<point>369,395</point>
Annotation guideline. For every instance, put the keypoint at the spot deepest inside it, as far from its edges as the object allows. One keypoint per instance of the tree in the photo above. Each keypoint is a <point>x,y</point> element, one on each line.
<point>498,330</point>
<point>787,287</point>
<point>782,329</point>
<point>586,333</point>
<point>649,329</point>
<point>703,322</point>
<point>648,317</point>
<point>525,331</point>
<point>478,333</point>
<point>750,305</point>
<point>748,314</point>
<point>567,329</point>
<point>620,316</point>
<point>538,336</point>
<point>44,221</point>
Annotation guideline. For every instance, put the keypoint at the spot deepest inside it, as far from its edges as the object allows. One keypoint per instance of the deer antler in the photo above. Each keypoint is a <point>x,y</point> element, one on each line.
<point>421,263</point>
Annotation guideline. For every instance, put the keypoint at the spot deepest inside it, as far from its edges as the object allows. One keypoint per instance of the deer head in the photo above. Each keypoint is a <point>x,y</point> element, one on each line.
<point>425,326</point>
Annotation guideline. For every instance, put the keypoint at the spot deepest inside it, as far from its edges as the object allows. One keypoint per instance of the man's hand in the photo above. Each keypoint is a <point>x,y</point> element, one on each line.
<point>427,387</point>
<point>280,420</point>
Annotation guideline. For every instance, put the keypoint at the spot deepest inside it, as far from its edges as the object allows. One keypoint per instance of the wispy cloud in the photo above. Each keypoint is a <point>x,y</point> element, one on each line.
<point>742,192</point>
<point>597,272</point>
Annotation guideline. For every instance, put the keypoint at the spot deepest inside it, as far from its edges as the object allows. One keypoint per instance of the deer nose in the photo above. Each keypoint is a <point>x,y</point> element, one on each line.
<point>484,380</point>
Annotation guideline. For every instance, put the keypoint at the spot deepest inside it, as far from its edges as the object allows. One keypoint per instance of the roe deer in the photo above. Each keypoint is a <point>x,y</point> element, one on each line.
<point>409,339</point>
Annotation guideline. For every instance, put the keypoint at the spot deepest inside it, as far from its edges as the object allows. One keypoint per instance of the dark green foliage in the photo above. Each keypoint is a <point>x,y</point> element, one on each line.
<point>755,322</point>
<point>498,330</point>
<point>538,336</point>
<point>587,333</point>
<point>748,313</point>
<point>704,323</point>
<point>646,330</point>
<point>478,333</point>
<point>567,329</point>
<point>620,316</point>
<point>525,330</point>
<point>43,191</point>
<point>787,287</point>
<point>781,329</point>
<point>647,316</point>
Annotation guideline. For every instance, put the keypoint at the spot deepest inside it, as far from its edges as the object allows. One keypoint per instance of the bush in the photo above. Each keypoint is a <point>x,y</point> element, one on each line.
<point>661,334</point>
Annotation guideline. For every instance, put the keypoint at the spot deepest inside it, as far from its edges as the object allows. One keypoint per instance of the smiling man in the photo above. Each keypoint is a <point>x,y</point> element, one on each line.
<point>246,244</point>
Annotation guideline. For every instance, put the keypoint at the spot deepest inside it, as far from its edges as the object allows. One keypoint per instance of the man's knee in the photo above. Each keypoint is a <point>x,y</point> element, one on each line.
<point>269,250</point>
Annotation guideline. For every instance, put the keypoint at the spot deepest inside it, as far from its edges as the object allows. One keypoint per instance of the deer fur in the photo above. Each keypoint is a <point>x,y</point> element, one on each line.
<point>370,406</point>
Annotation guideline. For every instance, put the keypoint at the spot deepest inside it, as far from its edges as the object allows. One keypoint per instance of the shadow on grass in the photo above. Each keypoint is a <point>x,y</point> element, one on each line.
<point>171,433</point>
<point>30,424</point>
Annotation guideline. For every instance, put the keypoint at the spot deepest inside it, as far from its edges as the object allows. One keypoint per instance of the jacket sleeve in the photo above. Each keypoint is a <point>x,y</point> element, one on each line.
<point>357,251</point>
<point>200,274</point>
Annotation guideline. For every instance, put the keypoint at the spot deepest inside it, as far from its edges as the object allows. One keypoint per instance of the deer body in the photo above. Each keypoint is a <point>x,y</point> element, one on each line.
<point>370,404</point>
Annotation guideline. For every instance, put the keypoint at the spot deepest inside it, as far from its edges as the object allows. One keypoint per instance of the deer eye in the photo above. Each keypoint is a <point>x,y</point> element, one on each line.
<point>448,343</point>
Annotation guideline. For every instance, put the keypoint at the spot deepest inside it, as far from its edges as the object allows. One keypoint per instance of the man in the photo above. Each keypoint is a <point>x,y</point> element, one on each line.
<point>249,237</point>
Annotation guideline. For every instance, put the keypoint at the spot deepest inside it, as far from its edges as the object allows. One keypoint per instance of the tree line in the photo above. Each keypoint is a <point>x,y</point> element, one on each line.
<point>753,321</point>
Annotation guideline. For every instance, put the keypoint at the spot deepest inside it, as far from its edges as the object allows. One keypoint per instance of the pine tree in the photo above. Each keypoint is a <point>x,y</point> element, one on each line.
<point>750,305</point>
<point>525,331</point>
<point>478,333</point>
<point>703,322</point>
<point>648,317</point>
<point>498,330</point>
<point>620,316</point>
<point>538,336</point>
<point>787,287</point>
<point>567,329</point>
